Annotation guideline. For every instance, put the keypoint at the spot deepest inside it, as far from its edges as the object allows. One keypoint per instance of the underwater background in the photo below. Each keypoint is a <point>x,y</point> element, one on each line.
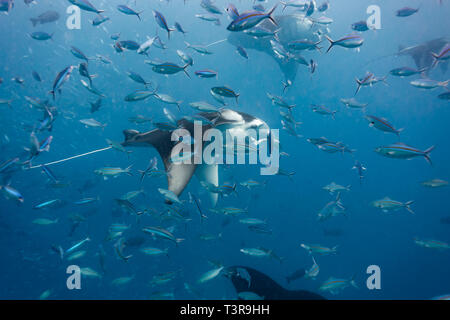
<point>365,235</point>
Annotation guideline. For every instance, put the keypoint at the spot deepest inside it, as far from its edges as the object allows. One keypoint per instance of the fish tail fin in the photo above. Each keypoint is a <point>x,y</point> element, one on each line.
<point>331,43</point>
<point>435,60</point>
<point>185,71</point>
<point>407,206</point>
<point>46,148</point>
<point>359,86</point>
<point>139,15</point>
<point>34,21</point>
<point>269,14</point>
<point>155,92</point>
<point>52,92</point>
<point>284,4</point>
<point>444,83</point>
<point>142,173</point>
<point>317,47</point>
<point>427,154</point>
<point>128,170</point>
<point>429,149</point>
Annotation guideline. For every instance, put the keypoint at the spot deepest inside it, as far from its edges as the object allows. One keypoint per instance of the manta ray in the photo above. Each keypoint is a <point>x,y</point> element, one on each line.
<point>290,27</point>
<point>245,279</point>
<point>179,174</point>
<point>422,53</point>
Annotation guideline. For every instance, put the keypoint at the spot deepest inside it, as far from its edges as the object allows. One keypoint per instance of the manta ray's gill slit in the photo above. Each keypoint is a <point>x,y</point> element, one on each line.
<point>70,158</point>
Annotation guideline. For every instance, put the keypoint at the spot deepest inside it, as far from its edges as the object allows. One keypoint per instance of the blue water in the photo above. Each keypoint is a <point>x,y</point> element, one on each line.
<point>367,235</point>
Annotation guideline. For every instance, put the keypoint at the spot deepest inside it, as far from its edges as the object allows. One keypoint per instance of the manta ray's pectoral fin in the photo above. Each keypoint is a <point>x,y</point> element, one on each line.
<point>422,54</point>
<point>210,174</point>
<point>178,175</point>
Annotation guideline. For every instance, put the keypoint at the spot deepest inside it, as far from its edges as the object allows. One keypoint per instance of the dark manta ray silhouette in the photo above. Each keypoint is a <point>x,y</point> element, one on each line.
<point>246,279</point>
<point>291,27</point>
<point>422,53</point>
<point>179,174</point>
